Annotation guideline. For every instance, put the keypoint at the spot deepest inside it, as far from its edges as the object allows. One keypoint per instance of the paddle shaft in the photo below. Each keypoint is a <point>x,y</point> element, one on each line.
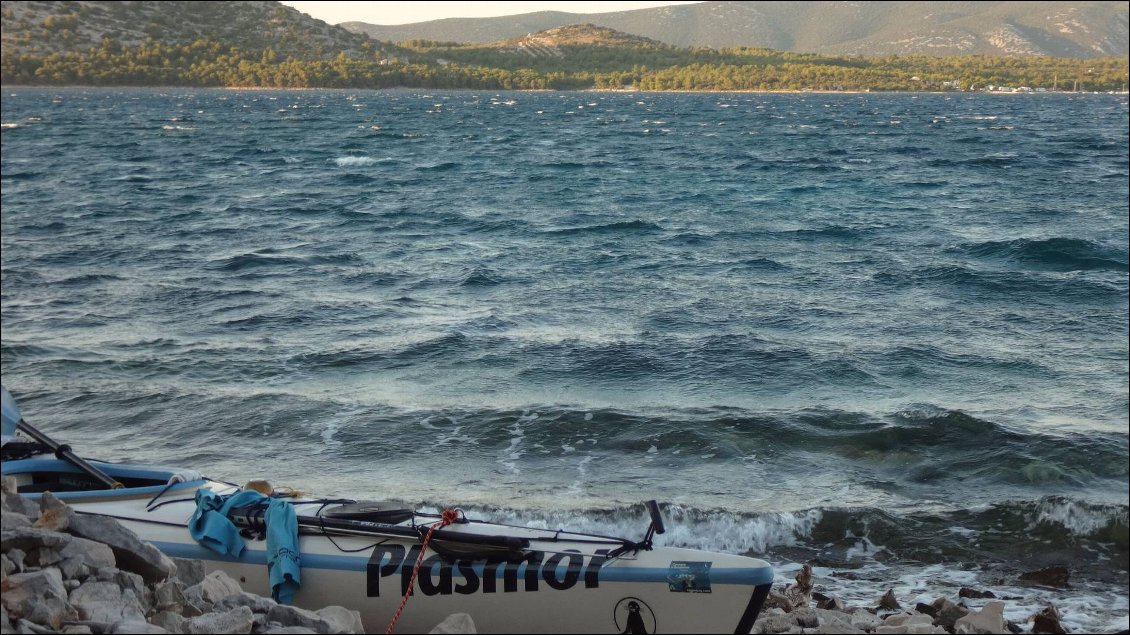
<point>64,452</point>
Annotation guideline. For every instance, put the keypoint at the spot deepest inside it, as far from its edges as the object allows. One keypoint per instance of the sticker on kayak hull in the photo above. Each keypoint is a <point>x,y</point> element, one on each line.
<point>633,616</point>
<point>688,576</point>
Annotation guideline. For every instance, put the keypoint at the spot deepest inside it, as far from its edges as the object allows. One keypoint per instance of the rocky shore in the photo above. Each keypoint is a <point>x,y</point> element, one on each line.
<point>797,608</point>
<point>81,574</point>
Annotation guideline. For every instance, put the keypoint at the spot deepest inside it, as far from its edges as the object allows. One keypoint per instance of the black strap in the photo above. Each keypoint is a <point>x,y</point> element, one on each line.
<point>16,450</point>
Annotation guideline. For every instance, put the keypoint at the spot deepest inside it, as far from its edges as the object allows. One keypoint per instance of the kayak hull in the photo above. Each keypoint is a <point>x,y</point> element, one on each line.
<point>562,582</point>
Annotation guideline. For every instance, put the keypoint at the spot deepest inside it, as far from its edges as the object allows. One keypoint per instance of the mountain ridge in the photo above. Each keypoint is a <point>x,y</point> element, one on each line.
<point>1053,28</point>
<point>261,43</point>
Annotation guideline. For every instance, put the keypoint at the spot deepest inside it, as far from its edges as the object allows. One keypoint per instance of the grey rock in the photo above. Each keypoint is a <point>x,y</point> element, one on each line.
<point>106,574</point>
<point>77,629</point>
<point>132,582</point>
<point>170,621</point>
<point>905,619</point>
<point>293,616</point>
<point>806,618</point>
<point>22,591</point>
<point>774,624</point>
<point>74,570</point>
<point>889,602</point>
<point>343,620</point>
<point>454,623</point>
<point>44,557</point>
<point>910,629</point>
<point>194,604</point>
<point>1050,576</point>
<point>828,602</point>
<point>237,620</point>
<point>7,566</point>
<point>14,520</point>
<point>189,572</point>
<point>1047,621</point>
<point>130,552</point>
<point>257,603</point>
<point>947,613</point>
<point>777,601</point>
<point>800,593</point>
<point>140,627</point>
<point>990,619</point>
<point>28,539</point>
<point>31,628</point>
<point>106,602</point>
<point>836,628</point>
<point>81,556</point>
<point>168,596</point>
<point>190,610</point>
<point>16,556</point>
<point>926,609</point>
<point>54,514</point>
<point>12,503</point>
<point>51,612</point>
<point>214,587</point>
<point>864,620</point>
<point>834,620</point>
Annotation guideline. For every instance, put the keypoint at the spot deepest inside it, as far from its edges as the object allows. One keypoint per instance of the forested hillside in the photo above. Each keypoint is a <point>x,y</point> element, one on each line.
<point>264,44</point>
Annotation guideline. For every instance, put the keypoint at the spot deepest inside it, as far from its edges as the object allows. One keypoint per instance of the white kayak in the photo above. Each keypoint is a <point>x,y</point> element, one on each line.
<point>362,556</point>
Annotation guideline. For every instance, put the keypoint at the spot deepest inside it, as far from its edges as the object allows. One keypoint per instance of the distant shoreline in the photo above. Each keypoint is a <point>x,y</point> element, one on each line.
<point>704,91</point>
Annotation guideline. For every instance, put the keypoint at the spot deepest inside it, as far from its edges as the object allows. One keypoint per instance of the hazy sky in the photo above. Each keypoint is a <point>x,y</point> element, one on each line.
<point>407,12</point>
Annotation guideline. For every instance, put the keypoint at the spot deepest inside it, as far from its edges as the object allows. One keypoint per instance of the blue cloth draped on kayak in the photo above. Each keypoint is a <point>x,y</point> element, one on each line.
<point>282,550</point>
<point>211,527</point>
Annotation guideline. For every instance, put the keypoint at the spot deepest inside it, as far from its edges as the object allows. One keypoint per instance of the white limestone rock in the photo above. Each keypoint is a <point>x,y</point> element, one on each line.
<point>237,620</point>
<point>213,588</point>
<point>343,620</point>
<point>107,602</point>
<point>455,623</point>
<point>287,615</point>
<point>127,627</point>
<point>989,620</point>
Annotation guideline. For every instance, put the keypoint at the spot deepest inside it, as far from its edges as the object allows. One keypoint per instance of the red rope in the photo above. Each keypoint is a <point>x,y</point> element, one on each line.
<point>448,517</point>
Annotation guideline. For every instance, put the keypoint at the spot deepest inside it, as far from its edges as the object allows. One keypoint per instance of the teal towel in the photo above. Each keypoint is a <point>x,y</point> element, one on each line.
<point>283,560</point>
<point>210,526</point>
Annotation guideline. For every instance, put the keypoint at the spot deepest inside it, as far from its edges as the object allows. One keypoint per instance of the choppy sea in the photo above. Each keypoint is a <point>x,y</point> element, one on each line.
<point>883,334</point>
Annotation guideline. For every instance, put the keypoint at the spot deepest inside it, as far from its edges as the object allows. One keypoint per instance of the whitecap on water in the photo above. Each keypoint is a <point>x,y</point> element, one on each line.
<point>349,162</point>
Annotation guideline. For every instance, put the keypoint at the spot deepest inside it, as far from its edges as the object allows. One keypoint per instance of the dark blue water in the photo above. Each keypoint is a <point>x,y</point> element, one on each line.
<point>821,327</point>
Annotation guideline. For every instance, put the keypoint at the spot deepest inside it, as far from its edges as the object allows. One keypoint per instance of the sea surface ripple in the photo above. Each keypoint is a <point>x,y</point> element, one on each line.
<point>815,326</point>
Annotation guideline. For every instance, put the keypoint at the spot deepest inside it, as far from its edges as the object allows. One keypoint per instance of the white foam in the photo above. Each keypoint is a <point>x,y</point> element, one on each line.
<point>735,534</point>
<point>1073,516</point>
<point>349,162</point>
